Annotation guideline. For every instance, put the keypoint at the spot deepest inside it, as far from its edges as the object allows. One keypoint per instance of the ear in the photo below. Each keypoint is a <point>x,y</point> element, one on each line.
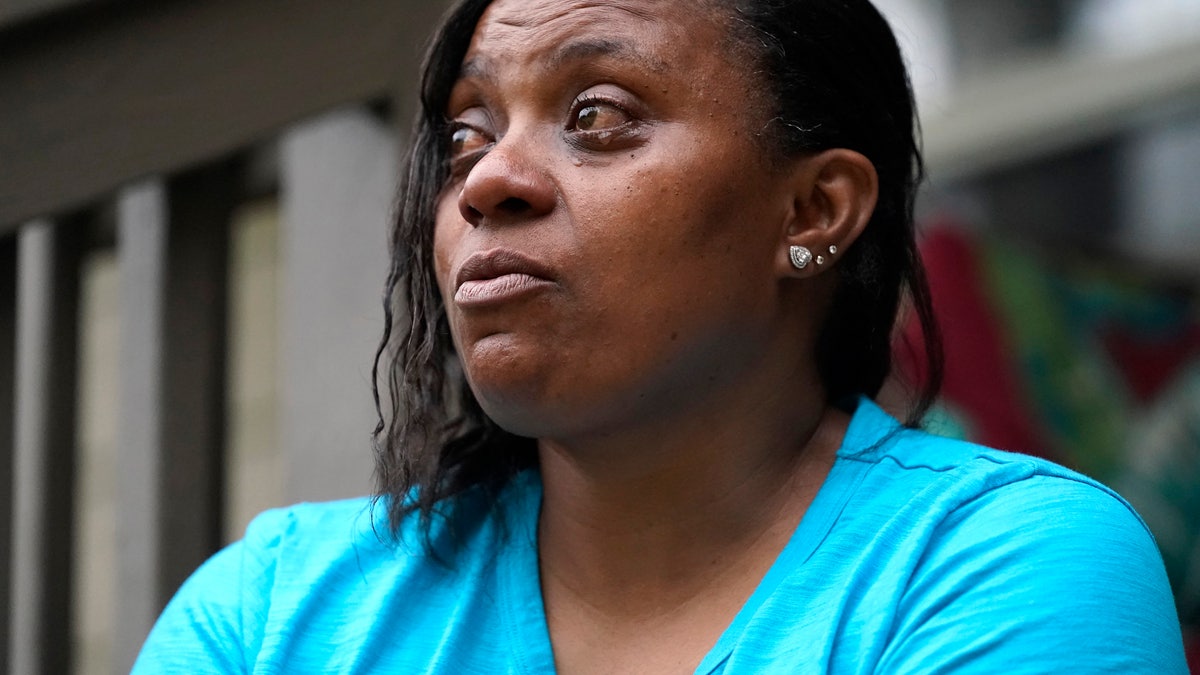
<point>834,198</point>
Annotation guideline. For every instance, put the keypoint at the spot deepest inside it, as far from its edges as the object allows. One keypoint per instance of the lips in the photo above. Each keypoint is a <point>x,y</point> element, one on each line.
<point>499,275</point>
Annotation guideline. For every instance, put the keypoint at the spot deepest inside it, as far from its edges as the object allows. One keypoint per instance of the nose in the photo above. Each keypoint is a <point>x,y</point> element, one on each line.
<point>506,185</point>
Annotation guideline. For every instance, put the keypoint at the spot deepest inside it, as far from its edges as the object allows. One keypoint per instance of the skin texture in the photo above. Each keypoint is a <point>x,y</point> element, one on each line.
<point>662,350</point>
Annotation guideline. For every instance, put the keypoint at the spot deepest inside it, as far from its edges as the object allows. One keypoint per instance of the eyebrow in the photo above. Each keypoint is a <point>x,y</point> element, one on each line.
<point>583,50</point>
<point>477,69</point>
<point>571,52</point>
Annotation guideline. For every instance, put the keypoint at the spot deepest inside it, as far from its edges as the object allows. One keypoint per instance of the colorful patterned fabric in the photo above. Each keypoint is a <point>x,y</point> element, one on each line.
<point>1097,370</point>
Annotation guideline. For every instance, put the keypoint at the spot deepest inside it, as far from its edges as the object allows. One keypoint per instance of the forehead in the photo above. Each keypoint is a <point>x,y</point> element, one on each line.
<point>658,33</point>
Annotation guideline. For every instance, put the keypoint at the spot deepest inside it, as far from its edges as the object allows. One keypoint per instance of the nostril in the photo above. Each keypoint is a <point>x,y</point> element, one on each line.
<point>506,208</point>
<point>513,205</point>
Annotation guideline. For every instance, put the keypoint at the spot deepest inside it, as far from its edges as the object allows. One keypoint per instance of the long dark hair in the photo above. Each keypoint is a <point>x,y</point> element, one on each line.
<point>836,79</point>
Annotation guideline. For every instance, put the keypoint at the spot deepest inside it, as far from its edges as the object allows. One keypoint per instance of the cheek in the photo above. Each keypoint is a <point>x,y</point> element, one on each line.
<point>698,258</point>
<point>679,277</point>
<point>678,223</point>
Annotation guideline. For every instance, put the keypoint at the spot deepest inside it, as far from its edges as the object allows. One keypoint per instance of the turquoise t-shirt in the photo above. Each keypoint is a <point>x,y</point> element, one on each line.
<point>919,555</point>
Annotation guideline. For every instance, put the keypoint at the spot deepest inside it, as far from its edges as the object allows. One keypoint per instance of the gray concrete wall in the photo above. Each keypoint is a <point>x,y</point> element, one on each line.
<point>338,179</point>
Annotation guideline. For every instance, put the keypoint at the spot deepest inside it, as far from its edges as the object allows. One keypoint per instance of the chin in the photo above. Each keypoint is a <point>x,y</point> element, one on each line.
<point>527,403</point>
<point>529,388</point>
<point>512,383</point>
<point>519,411</point>
<point>519,423</point>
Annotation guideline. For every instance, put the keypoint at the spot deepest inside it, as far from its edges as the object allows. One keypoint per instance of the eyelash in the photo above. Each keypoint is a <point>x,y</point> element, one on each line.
<point>464,163</point>
<point>461,164</point>
<point>590,100</point>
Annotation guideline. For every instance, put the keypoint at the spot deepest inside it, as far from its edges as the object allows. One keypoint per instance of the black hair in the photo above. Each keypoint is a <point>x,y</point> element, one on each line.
<point>838,80</point>
<point>834,77</point>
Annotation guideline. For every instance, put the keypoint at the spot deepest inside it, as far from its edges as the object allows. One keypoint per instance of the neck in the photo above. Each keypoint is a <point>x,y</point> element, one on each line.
<point>637,525</point>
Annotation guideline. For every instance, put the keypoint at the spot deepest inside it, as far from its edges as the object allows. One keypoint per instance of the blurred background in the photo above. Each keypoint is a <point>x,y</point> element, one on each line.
<point>194,209</point>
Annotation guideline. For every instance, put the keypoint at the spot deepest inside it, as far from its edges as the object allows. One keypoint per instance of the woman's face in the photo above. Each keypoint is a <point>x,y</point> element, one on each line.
<point>608,246</point>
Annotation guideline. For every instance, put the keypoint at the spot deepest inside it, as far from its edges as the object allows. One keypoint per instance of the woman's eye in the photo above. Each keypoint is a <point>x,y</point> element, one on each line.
<point>465,140</point>
<point>599,116</point>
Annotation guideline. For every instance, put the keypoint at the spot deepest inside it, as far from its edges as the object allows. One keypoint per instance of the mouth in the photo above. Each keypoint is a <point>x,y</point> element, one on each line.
<point>497,276</point>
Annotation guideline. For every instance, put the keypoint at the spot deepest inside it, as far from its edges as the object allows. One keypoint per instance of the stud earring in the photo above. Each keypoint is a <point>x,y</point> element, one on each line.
<point>801,256</point>
<point>832,252</point>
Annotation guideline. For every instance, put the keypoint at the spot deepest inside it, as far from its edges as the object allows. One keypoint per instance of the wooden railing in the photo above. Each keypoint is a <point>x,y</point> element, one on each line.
<point>141,127</point>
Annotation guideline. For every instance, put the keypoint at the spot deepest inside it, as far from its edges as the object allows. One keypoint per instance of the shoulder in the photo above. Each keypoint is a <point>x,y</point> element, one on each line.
<point>952,501</point>
<point>944,477</point>
<point>215,622</point>
<point>291,547</point>
<point>317,532</point>
<point>1041,571</point>
<point>310,571</point>
<point>1003,558</point>
<point>1012,513</point>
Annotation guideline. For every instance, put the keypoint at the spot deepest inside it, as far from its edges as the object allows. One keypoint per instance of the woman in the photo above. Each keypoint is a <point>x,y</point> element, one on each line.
<point>650,254</point>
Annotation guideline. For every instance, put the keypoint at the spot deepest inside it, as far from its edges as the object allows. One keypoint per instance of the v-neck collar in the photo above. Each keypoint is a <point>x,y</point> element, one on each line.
<point>524,612</point>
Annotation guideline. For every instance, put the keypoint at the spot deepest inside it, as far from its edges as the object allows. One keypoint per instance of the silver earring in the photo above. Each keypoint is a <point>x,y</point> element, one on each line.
<point>801,256</point>
<point>820,260</point>
<point>832,250</point>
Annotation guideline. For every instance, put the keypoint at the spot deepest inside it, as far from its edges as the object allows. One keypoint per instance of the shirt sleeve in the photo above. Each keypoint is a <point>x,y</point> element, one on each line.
<point>1047,575</point>
<point>214,624</point>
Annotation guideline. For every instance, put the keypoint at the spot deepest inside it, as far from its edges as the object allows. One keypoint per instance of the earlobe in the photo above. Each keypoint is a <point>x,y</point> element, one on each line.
<point>835,196</point>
